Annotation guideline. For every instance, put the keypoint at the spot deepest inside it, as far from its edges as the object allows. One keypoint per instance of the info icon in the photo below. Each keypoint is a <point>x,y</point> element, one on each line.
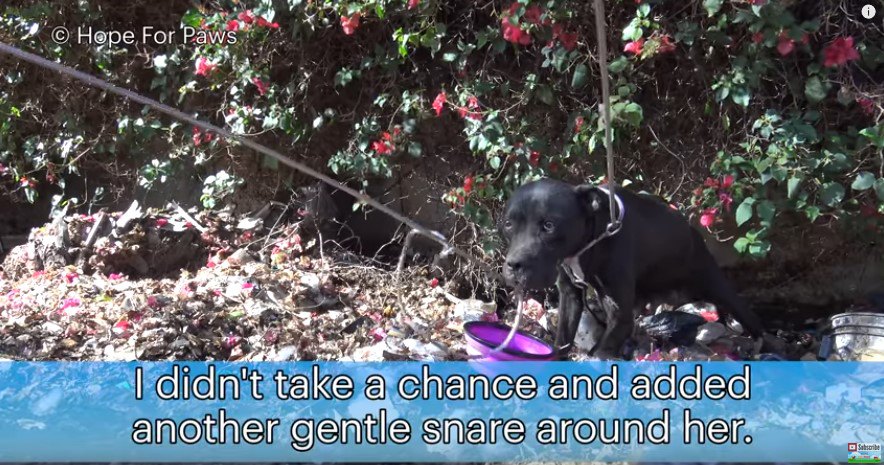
<point>868,11</point>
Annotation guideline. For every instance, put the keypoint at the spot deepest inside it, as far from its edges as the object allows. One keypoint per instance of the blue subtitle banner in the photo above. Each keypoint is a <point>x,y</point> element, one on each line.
<point>440,411</point>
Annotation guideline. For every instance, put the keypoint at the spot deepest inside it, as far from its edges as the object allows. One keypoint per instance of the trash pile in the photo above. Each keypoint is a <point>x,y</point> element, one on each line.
<point>168,284</point>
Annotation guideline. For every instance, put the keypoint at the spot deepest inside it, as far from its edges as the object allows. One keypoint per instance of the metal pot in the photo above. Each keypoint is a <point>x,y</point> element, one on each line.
<point>854,336</point>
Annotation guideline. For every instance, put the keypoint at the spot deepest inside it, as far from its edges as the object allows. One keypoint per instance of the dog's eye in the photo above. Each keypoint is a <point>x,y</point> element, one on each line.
<point>548,226</point>
<point>508,224</point>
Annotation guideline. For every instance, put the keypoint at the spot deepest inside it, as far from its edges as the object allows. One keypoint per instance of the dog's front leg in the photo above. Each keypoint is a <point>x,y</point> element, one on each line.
<point>618,299</point>
<point>570,310</point>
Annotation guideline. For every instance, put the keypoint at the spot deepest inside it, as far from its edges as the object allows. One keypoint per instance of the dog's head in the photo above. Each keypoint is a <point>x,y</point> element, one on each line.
<point>545,222</point>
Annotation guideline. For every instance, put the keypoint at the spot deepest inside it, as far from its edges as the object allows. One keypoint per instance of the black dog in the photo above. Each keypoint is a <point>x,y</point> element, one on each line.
<point>655,251</point>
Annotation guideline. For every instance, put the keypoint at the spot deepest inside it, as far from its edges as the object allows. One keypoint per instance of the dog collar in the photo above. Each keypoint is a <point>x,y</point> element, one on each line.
<point>572,263</point>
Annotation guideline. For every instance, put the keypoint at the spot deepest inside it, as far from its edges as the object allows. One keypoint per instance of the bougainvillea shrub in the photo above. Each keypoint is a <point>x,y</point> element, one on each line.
<point>734,111</point>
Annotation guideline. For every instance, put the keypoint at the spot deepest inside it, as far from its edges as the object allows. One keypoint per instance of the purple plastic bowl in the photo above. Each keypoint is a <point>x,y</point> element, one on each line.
<point>485,336</point>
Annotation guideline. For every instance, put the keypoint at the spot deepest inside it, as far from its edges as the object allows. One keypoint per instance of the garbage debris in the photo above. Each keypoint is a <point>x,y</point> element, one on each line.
<point>673,326</point>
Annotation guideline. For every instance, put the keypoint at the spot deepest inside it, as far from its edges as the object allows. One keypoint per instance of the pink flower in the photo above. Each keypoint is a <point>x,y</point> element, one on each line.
<point>262,88</point>
<point>726,200</point>
<point>378,334</point>
<point>867,105</point>
<point>264,23</point>
<point>786,44</point>
<point>578,124</point>
<point>666,45</point>
<point>231,341</point>
<point>232,25</point>
<point>839,52</point>
<point>203,67</point>
<point>350,24</point>
<point>247,16</point>
<point>727,181</point>
<point>439,103</point>
<point>708,217</point>
<point>634,47</point>
<point>69,304</point>
<point>412,4</point>
<point>122,328</point>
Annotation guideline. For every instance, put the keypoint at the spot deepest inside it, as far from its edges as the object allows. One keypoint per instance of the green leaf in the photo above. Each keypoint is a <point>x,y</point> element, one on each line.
<point>792,186</point>
<point>814,90</point>
<point>766,211</point>
<point>879,189</point>
<point>449,57</point>
<point>579,78</point>
<point>618,65</point>
<point>812,213</point>
<point>712,6</point>
<point>744,211</point>
<point>875,135</point>
<point>740,96</point>
<point>863,181</point>
<point>832,194</point>
<point>545,94</point>
<point>632,112</point>
<point>741,244</point>
<point>415,149</point>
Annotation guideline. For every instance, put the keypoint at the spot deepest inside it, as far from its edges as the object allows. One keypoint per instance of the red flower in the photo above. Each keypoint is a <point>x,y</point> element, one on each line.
<point>534,159</point>
<point>634,47</point>
<point>262,88</point>
<point>473,102</point>
<point>868,210</point>
<point>578,124</point>
<point>203,67</point>
<point>532,14</point>
<point>386,136</point>
<point>412,4</point>
<point>468,184</point>
<point>805,39</point>
<point>708,217</point>
<point>727,181</point>
<point>233,25</point>
<point>726,200</point>
<point>246,16</point>
<point>350,24</point>
<point>513,32</point>
<point>758,37</point>
<point>839,52</point>
<point>867,105</point>
<point>434,282</point>
<point>439,103</point>
<point>786,44</point>
<point>568,39</point>
<point>713,183</point>
<point>264,23</point>
<point>666,45</point>
<point>382,147</point>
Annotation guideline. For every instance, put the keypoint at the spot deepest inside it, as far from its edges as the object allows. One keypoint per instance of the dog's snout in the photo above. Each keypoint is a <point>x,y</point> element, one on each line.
<point>515,263</point>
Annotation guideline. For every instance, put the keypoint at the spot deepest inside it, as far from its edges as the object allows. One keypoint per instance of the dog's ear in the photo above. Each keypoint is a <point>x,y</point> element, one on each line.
<point>589,196</point>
